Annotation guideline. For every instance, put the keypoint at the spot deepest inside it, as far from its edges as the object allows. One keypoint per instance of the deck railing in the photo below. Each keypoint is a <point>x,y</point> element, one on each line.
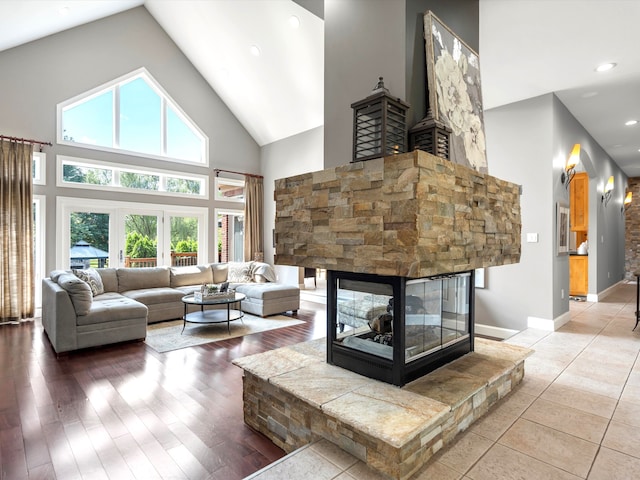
<point>177,260</point>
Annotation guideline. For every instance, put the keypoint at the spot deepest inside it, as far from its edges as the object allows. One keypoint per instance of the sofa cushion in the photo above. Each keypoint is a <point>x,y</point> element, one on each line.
<point>110,307</point>
<point>154,296</point>
<point>239,272</point>
<point>79,292</point>
<point>139,278</point>
<point>109,279</point>
<point>220,271</point>
<point>267,291</point>
<point>93,279</point>
<point>193,275</point>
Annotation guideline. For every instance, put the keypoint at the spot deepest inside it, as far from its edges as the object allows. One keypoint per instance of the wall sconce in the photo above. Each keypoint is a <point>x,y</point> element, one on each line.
<point>608,189</point>
<point>627,201</point>
<point>569,169</point>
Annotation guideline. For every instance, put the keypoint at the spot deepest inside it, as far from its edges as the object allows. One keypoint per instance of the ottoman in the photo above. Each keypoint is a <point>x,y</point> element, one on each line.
<point>265,299</point>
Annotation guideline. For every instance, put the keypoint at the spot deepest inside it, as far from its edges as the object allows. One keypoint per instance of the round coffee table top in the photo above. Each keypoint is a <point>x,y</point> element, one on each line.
<point>238,297</point>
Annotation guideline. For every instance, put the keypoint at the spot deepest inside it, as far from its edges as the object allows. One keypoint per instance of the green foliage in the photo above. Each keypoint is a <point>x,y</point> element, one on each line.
<point>93,228</point>
<point>140,246</point>
<point>139,180</point>
<point>188,245</point>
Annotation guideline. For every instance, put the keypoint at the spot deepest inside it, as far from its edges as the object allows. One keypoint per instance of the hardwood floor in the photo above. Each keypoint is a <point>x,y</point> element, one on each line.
<point>128,412</point>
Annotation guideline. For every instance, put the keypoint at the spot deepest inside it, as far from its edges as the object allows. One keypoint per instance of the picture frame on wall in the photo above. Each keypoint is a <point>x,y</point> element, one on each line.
<point>454,92</point>
<point>562,228</point>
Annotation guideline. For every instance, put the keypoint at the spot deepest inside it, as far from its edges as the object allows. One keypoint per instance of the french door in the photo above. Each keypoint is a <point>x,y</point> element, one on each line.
<point>117,234</point>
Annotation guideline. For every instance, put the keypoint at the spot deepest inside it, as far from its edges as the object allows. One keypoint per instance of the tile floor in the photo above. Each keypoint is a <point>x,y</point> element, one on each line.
<point>575,415</point>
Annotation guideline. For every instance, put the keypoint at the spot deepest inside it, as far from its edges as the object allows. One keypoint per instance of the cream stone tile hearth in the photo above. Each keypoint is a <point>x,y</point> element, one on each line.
<point>552,426</point>
<point>395,431</point>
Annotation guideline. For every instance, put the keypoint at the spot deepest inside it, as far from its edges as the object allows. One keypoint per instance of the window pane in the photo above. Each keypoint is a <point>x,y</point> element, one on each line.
<point>183,185</point>
<point>229,189</point>
<point>230,238</point>
<point>141,241</point>
<point>184,241</point>
<point>139,180</point>
<point>182,141</point>
<point>93,176</point>
<point>139,118</point>
<point>90,121</point>
<point>89,240</point>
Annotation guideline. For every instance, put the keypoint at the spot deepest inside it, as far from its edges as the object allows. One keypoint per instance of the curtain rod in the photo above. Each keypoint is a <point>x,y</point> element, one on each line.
<point>25,140</point>
<point>218,170</point>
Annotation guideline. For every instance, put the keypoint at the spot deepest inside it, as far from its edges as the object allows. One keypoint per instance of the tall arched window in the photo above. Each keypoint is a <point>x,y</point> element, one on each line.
<point>134,115</point>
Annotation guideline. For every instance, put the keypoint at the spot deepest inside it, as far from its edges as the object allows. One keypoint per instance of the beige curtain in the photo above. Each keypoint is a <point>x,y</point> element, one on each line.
<point>16,232</point>
<point>253,207</point>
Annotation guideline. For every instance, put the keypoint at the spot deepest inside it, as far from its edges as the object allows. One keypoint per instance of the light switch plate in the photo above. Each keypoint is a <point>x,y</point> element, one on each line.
<point>532,237</point>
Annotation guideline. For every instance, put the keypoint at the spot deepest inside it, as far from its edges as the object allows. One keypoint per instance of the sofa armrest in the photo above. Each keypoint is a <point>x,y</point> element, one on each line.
<point>58,317</point>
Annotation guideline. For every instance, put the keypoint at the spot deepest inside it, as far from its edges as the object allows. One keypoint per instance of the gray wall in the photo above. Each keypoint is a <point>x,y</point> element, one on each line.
<point>364,40</point>
<point>294,155</point>
<point>518,147</point>
<point>46,72</point>
<point>528,143</point>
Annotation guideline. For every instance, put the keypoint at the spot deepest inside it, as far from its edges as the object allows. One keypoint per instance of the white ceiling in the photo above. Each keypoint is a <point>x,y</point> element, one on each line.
<point>528,48</point>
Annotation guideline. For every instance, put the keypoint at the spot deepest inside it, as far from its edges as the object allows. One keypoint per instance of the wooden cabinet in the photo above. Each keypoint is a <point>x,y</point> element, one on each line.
<point>578,274</point>
<point>579,202</point>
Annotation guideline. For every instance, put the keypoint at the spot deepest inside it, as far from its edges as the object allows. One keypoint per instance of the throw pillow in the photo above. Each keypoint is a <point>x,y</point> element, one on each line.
<point>263,272</point>
<point>79,292</point>
<point>93,278</point>
<point>239,272</point>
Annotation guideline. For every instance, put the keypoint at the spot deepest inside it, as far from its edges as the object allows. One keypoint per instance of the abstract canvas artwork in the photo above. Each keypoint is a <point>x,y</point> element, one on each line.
<point>454,93</point>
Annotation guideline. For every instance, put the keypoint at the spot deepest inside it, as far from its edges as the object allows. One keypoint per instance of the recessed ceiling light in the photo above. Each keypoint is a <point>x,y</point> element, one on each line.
<point>589,94</point>
<point>255,50</point>
<point>294,22</point>
<point>631,122</point>
<point>605,67</point>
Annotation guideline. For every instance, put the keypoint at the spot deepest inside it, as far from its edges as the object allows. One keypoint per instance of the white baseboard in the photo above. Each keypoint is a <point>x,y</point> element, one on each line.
<point>496,332</point>
<point>597,297</point>
<point>547,324</point>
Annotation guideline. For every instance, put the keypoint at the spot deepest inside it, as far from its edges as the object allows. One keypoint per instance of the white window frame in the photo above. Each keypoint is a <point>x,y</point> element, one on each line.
<point>228,181</point>
<point>40,205</point>
<point>62,160</point>
<point>225,211</point>
<point>165,100</point>
<point>40,161</point>
<point>66,205</point>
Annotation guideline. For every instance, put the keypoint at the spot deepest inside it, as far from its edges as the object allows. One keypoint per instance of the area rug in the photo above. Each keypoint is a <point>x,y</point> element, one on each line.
<point>167,336</point>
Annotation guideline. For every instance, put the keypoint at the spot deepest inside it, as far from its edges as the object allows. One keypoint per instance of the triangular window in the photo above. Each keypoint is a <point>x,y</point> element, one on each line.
<point>132,114</point>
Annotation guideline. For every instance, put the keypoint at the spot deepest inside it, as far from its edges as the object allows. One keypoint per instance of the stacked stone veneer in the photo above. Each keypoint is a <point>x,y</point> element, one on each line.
<point>293,397</point>
<point>632,231</point>
<point>410,215</point>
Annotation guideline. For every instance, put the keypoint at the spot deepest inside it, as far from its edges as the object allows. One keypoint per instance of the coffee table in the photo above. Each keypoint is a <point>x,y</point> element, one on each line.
<point>213,316</point>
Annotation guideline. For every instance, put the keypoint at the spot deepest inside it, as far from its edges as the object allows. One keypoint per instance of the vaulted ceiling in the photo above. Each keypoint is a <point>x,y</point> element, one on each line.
<point>527,48</point>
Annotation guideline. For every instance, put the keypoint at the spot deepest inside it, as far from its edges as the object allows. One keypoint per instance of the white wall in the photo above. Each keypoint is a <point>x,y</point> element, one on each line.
<point>38,75</point>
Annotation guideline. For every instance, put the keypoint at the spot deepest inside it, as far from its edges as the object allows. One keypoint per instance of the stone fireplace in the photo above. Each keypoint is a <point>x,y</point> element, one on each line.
<point>400,238</point>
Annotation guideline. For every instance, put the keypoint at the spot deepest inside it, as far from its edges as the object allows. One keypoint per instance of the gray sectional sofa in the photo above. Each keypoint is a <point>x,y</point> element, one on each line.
<point>108,305</point>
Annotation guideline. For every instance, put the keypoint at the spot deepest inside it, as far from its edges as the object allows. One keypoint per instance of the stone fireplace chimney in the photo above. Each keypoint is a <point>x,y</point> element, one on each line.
<point>410,215</point>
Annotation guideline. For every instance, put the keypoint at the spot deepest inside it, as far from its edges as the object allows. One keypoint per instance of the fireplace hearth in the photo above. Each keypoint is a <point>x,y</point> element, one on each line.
<point>396,329</point>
